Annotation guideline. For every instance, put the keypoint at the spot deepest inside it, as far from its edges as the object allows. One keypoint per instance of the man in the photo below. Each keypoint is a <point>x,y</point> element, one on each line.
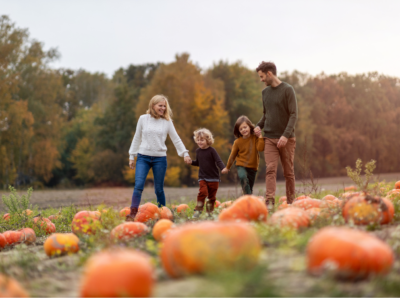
<point>278,121</point>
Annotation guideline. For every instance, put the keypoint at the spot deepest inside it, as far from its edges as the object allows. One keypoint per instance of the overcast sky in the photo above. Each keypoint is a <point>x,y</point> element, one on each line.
<point>309,36</point>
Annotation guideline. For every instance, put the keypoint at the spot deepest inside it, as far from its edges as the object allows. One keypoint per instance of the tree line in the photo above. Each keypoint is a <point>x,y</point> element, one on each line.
<point>68,128</point>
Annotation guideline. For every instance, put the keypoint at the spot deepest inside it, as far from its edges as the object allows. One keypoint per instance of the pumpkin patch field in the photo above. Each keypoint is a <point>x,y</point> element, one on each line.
<point>326,243</point>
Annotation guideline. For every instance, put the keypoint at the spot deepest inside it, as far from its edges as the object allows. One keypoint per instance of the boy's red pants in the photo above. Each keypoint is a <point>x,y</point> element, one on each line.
<point>207,189</point>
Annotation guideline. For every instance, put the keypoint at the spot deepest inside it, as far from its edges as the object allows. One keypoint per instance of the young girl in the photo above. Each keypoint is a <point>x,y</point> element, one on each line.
<point>245,151</point>
<point>208,160</point>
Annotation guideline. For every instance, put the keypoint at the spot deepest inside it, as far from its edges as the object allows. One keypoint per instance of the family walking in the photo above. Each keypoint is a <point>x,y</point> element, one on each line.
<point>148,149</point>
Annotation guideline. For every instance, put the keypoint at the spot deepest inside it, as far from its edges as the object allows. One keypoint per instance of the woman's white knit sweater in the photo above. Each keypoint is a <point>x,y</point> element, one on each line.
<point>150,137</point>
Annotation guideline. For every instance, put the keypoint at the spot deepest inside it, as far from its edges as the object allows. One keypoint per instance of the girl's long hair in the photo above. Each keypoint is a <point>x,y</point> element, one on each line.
<point>155,100</point>
<point>239,121</point>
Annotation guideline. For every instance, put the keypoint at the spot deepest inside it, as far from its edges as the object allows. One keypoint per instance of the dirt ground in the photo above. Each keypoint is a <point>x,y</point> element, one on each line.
<point>121,196</point>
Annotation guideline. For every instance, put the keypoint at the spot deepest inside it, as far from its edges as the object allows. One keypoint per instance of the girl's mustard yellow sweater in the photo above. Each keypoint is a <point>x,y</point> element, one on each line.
<point>245,151</point>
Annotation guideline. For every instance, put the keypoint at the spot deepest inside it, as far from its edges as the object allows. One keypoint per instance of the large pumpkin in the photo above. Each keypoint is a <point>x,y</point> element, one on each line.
<point>290,217</point>
<point>117,273</point>
<point>166,213</point>
<point>129,230</point>
<point>246,208</point>
<point>161,227</point>
<point>28,236</point>
<point>307,203</point>
<point>210,247</point>
<point>45,224</point>
<point>9,287</point>
<point>350,254</point>
<point>61,244</point>
<point>364,209</point>
<point>85,222</point>
<point>12,237</point>
<point>147,212</point>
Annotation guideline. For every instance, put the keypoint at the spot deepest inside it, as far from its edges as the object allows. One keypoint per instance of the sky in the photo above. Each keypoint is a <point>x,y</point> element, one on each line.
<point>317,36</point>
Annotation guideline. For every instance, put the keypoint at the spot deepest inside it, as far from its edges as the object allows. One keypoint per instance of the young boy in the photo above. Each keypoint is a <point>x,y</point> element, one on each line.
<point>208,160</point>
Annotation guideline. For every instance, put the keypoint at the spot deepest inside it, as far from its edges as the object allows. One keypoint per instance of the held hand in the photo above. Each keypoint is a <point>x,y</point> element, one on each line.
<point>188,160</point>
<point>282,142</point>
<point>257,131</point>
<point>224,171</point>
<point>132,164</point>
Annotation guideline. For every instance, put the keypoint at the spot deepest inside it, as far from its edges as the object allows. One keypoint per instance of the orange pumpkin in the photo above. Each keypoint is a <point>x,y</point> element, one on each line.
<point>124,212</point>
<point>3,241</point>
<point>166,213</point>
<point>60,244</point>
<point>247,208</point>
<point>387,214</point>
<point>282,199</point>
<point>329,198</point>
<point>397,185</point>
<point>217,203</point>
<point>161,227</point>
<point>393,194</point>
<point>307,203</point>
<point>225,204</point>
<point>363,209</point>
<point>182,208</point>
<point>6,216</point>
<point>28,236</point>
<point>9,287</point>
<point>53,217</point>
<point>210,247</point>
<point>302,198</point>
<point>350,188</point>
<point>290,217</point>
<point>350,254</point>
<point>85,222</point>
<point>118,272</point>
<point>349,194</point>
<point>45,224</point>
<point>314,213</point>
<point>129,230</point>
<point>147,212</point>
<point>12,237</point>
<point>331,204</point>
<point>28,212</point>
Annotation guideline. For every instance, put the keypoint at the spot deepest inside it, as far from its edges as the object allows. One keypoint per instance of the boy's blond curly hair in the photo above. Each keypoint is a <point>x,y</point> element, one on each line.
<point>205,134</point>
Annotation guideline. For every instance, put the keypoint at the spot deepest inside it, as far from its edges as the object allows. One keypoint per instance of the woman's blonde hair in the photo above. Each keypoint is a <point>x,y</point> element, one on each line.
<point>155,100</point>
<point>205,134</point>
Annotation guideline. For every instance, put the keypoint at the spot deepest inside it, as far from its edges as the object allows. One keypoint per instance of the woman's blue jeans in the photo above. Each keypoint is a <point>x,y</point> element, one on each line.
<point>143,165</point>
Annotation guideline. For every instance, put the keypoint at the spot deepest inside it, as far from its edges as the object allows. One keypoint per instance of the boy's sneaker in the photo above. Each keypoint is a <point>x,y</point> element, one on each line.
<point>196,214</point>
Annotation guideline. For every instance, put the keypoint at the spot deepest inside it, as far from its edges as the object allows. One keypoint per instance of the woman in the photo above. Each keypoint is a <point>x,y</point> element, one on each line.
<point>149,149</point>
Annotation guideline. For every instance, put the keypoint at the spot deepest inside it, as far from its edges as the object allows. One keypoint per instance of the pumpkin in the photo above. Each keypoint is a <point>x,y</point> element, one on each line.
<point>12,237</point>
<point>53,217</point>
<point>182,208</point>
<point>350,188</point>
<point>6,216</point>
<point>364,209</point>
<point>161,227</point>
<point>331,204</point>
<point>28,236</point>
<point>210,247</point>
<point>147,212</point>
<point>116,273</point>
<point>225,204</point>
<point>314,213</point>
<point>329,198</point>
<point>307,203</point>
<point>282,199</point>
<point>350,254</point>
<point>3,241</point>
<point>301,198</point>
<point>393,194</point>
<point>124,212</point>
<point>45,224</point>
<point>27,212</point>
<point>290,217</point>
<point>247,208</point>
<point>60,244</point>
<point>85,222</point>
<point>166,213</point>
<point>397,185</point>
<point>9,287</point>
<point>217,203</point>
<point>349,194</point>
<point>129,230</point>
<point>387,215</point>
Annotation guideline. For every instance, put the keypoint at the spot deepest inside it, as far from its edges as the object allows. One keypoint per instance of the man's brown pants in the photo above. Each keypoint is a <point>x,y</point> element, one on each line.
<point>207,189</point>
<point>286,155</point>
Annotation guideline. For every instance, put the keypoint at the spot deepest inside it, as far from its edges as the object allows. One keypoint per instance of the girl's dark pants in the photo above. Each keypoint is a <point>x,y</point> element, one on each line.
<point>247,178</point>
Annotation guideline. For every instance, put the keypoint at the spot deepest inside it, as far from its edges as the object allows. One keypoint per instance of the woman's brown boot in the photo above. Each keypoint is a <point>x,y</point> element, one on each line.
<point>131,216</point>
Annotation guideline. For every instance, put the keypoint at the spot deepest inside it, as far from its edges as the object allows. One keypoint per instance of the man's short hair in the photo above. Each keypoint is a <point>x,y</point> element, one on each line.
<point>267,66</point>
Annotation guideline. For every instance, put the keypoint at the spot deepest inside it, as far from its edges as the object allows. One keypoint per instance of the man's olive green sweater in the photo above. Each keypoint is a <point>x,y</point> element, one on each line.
<point>280,111</point>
